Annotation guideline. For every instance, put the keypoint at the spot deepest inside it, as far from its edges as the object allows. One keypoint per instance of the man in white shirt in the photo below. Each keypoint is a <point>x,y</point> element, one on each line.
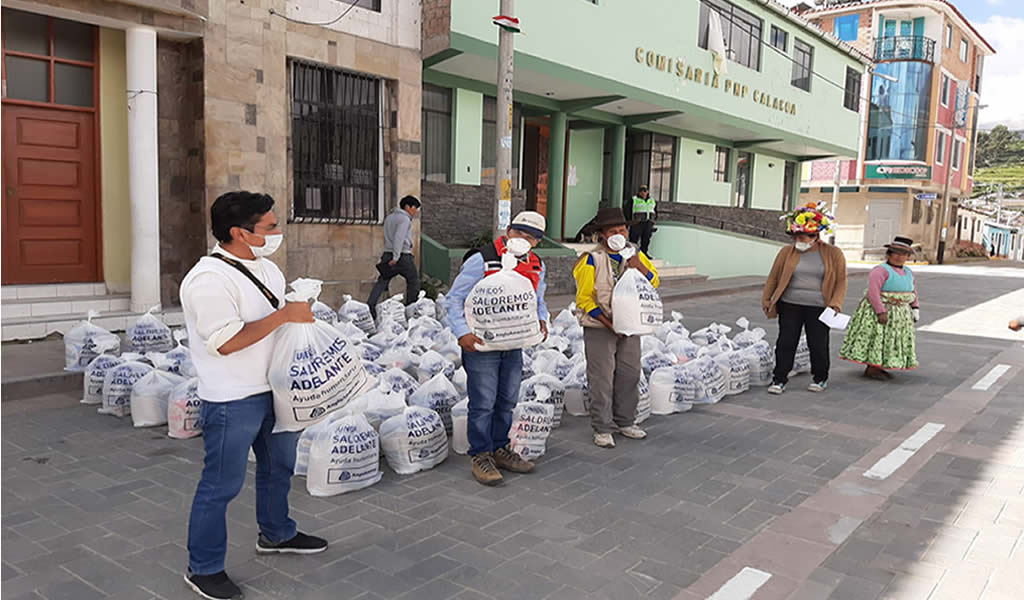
<point>233,302</point>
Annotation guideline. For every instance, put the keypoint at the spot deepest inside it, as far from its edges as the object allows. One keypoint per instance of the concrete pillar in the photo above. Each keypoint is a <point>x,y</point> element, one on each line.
<point>467,136</point>
<point>556,173</point>
<point>143,166</point>
<point>733,162</point>
<point>618,165</point>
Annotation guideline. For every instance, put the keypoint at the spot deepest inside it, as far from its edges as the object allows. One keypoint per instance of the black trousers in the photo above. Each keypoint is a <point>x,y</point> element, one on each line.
<point>792,319</point>
<point>641,233</point>
<point>406,267</point>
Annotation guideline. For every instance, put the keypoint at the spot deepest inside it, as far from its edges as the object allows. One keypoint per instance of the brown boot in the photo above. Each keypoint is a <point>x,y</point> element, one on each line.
<point>484,470</point>
<point>508,459</point>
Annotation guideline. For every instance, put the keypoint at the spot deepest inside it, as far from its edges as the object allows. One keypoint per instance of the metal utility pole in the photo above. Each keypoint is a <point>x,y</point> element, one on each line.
<point>503,175</point>
<point>944,223</point>
<point>999,206</point>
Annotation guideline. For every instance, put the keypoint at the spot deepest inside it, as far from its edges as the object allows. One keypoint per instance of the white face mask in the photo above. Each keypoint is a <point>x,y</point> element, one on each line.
<point>616,242</point>
<point>802,246</point>
<point>271,242</point>
<point>517,246</point>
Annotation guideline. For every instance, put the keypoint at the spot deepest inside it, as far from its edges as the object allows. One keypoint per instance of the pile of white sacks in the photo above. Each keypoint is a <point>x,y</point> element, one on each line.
<point>358,388</point>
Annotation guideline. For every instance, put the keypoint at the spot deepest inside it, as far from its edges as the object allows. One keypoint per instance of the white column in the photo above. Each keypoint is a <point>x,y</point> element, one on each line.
<point>143,167</point>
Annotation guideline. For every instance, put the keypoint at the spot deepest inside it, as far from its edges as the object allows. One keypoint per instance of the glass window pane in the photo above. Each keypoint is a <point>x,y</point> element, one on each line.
<point>72,85</point>
<point>73,40</point>
<point>28,79</point>
<point>25,32</point>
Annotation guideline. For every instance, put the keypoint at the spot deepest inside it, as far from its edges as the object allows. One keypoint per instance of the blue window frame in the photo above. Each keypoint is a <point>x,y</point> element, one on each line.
<point>845,27</point>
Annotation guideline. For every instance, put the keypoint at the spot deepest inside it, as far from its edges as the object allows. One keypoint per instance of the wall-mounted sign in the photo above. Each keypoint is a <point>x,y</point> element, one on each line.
<point>897,171</point>
<point>677,67</point>
<point>927,196</point>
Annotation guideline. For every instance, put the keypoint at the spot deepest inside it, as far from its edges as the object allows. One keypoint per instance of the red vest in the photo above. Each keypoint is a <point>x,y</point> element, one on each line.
<point>529,266</point>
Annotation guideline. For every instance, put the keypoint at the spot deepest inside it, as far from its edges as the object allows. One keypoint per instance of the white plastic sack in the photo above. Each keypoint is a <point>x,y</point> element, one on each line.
<point>314,370</point>
<point>682,349</point>
<point>387,334</point>
<point>392,309</point>
<point>350,331</point>
<point>461,381</point>
<point>802,360</point>
<point>551,362</point>
<point>432,363</point>
<point>709,382</point>
<point>150,334</point>
<point>448,346</point>
<point>761,359</point>
<point>531,426</point>
<point>746,336</point>
<point>422,307</point>
<point>117,387</point>
<point>673,326</point>
<point>397,381</point>
<point>710,334</point>
<point>373,369</point>
<point>501,310</point>
<point>414,440</point>
<point>636,305</point>
<point>357,313</point>
<point>736,368</point>
<point>379,406</point>
<point>150,395</point>
<point>643,407</point>
<point>656,360</point>
<point>367,350</point>
<point>565,320</point>
<point>86,341</point>
<point>425,331</point>
<point>95,374</point>
<point>397,357</point>
<point>671,390</point>
<point>546,389</point>
<point>460,427</point>
<point>577,392</point>
<point>650,343</point>
<point>324,313</point>
<point>557,342</point>
<point>183,410</point>
<point>178,360</point>
<point>439,395</point>
<point>441,310</point>
<point>344,456</point>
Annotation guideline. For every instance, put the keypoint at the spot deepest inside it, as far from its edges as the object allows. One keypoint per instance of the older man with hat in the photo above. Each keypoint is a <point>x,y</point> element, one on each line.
<point>881,333</point>
<point>493,378</point>
<point>613,359</point>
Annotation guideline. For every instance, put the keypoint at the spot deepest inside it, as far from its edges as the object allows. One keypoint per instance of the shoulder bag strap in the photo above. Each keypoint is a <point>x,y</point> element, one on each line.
<point>269,295</point>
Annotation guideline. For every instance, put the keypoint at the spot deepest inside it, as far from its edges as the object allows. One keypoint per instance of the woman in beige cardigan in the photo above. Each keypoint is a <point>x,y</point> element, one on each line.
<point>808,276</point>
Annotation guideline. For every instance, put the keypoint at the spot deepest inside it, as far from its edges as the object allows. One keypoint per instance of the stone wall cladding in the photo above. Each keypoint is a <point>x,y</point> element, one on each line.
<point>437,22</point>
<point>248,126</point>
<point>183,220</point>
<point>749,221</point>
<point>453,214</point>
<point>557,275</point>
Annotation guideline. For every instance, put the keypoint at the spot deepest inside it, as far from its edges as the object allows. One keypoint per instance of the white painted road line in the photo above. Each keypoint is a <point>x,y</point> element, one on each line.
<point>991,377</point>
<point>888,464</point>
<point>742,586</point>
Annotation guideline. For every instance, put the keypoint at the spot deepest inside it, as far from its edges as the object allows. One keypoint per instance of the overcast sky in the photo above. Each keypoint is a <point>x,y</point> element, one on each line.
<point>1001,23</point>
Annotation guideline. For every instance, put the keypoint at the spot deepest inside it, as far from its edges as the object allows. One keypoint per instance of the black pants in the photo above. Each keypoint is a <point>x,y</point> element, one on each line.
<point>641,233</point>
<point>792,319</point>
<point>406,267</point>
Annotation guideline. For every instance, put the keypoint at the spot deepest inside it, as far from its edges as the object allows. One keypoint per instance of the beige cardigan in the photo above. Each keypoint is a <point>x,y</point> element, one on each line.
<point>833,286</point>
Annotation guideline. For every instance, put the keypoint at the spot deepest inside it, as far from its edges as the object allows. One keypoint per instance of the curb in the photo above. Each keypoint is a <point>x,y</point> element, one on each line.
<point>32,386</point>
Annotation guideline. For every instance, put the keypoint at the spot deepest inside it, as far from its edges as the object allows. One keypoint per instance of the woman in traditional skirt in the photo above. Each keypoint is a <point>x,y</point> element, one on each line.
<point>881,333</point>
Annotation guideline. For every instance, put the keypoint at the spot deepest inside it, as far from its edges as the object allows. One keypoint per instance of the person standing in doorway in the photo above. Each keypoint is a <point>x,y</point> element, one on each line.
<point>613,360</point>
<point>493,378</point>
<point>233,302</point>
<point>397,258</point>
<point>807,276</point>
<point>643,220</point>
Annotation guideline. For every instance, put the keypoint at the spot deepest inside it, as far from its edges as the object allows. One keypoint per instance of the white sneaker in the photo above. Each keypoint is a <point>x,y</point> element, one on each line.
<point>633,432</point>
<point>817,387</point>
<point>604,440</point>
<point>776,388</point>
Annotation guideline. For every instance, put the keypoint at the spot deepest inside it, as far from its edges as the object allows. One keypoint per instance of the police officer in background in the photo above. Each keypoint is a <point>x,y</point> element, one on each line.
<point>643,220</point>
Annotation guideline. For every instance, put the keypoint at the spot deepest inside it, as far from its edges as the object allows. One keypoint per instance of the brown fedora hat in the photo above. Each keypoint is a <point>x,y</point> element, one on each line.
<point>609,217</point>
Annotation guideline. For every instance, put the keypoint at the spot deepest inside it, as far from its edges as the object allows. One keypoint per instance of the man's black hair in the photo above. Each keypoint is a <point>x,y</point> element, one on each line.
<point>409,201</point>
<point>237,209</point>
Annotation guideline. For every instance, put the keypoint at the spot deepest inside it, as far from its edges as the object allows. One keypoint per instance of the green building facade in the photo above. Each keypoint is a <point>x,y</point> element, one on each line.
<point>611,94</point>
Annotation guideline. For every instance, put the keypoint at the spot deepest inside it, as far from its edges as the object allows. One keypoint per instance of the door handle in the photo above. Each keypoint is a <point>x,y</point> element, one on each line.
<point>10,191</point>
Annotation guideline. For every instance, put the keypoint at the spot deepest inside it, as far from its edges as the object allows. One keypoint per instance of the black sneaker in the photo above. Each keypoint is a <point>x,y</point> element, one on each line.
<point>214,587</point>
<point>300,544</point>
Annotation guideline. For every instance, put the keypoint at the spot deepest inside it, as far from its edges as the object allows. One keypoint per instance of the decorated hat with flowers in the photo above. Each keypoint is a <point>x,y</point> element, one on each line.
<point>809,218</point>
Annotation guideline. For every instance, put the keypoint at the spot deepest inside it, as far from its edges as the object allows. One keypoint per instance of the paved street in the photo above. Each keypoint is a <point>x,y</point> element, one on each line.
<point>758,496</point>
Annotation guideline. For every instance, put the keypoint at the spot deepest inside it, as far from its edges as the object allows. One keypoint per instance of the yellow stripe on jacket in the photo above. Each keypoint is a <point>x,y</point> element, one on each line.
<point>584,272</point>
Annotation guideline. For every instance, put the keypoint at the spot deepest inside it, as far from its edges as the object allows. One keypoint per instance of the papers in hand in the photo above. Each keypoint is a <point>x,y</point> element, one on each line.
<point>833,319</point>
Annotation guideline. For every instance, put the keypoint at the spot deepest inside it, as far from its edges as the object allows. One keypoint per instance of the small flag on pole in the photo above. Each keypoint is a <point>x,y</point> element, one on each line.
<point>510,24</point>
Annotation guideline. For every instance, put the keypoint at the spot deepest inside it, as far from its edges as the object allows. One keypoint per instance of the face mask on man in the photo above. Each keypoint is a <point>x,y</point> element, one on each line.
<point>518,246</point>
<point>802,246</point>
<point>271,242</point>
<point>617,242</point>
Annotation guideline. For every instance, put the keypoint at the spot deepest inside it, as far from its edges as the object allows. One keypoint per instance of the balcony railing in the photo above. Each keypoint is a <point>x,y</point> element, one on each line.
<point>905,47</point>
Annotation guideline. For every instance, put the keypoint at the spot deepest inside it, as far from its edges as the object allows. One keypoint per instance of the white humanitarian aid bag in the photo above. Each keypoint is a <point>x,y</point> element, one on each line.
<point>501,310</point>
<point>315,370</point>
<point>344,457</point>
<point>636,305</point>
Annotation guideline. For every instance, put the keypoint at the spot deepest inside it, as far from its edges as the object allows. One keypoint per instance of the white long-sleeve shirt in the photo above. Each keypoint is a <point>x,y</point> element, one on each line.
<point>217,302</point>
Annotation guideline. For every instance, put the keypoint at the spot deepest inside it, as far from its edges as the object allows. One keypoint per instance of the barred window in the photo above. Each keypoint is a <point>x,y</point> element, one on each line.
<point>437,133</point>
<point>741,32</point>
<point>780,39</point>
<point>851,96</point>
<point>803,63</point>
<point>722,164</point>
<point>341,162</point>
<point>788,179</point>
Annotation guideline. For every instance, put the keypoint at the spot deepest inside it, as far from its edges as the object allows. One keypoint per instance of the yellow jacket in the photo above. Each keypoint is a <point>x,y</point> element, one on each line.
<point>596,273</point>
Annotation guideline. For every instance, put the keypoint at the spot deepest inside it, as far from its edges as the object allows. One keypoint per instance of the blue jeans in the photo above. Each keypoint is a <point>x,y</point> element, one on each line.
<point>493,380</point>
<point>229,430</point>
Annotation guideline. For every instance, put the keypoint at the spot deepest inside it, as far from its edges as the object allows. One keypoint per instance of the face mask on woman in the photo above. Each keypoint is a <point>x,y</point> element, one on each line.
<point>517,246</point>
<point>802,246</point>
<point>617,242</point>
